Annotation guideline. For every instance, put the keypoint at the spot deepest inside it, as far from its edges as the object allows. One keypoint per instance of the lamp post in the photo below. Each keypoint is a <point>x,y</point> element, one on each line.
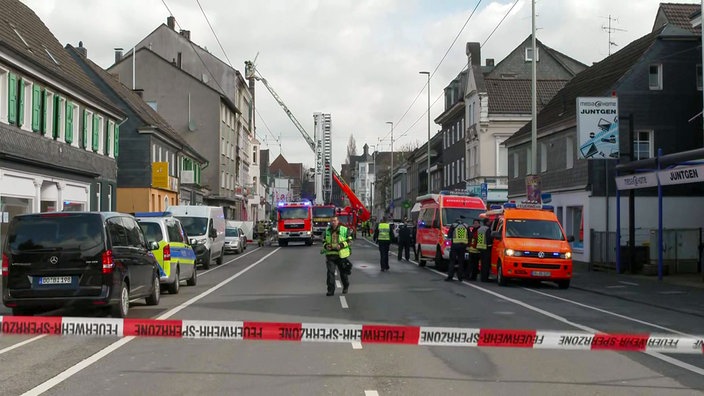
<point>372,183</point>
<point>392,161</point>
<point>428,167</point>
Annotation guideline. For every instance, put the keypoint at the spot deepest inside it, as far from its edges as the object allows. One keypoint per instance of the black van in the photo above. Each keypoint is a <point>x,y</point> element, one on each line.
<point>51,260</point>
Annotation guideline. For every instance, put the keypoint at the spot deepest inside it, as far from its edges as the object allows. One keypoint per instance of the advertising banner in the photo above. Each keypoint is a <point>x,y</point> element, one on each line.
<point>597,128</point>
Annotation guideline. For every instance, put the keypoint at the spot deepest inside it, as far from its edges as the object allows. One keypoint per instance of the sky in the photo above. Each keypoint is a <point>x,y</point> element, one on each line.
<point>358,60</point>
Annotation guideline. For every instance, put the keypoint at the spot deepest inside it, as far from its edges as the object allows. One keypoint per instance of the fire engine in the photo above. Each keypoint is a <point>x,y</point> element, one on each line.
<point>294,222</point>
<point>322,214</point>
<point>349,218</point>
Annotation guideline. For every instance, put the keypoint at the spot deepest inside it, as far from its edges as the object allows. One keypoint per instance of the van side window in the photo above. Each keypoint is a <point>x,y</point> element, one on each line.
<point>135,237</point>
<point>118,233</point>
<point>174,232</point>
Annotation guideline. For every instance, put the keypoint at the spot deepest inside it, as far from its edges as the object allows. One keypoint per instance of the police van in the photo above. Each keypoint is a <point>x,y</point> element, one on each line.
<point>175,256</point>
<point>529,243</point>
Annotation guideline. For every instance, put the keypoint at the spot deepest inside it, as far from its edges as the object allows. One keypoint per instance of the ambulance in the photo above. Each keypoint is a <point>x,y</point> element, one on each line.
<point>529,243</point>
<point>437,213</point>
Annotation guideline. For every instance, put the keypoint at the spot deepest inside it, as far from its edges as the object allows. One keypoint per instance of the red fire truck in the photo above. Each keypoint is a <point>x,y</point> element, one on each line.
<point>294,222</point>
<point>349,218</point>
<point>322,214</point>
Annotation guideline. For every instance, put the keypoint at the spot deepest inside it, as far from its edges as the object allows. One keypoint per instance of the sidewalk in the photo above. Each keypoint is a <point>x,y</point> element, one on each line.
<point>678,293</point>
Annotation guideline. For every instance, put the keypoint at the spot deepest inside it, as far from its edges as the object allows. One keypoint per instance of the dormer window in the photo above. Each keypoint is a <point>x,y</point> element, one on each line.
<point>529,54</point>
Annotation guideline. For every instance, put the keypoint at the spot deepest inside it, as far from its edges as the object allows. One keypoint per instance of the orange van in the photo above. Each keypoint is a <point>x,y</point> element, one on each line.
<point>437,213</point>
<point>529,243</point>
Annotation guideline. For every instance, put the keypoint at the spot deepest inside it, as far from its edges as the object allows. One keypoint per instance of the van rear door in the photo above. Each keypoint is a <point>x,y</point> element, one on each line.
<point>55,255</point>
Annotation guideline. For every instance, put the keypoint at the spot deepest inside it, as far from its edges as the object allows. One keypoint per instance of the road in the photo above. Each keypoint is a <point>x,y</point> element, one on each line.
<point>273,284</point>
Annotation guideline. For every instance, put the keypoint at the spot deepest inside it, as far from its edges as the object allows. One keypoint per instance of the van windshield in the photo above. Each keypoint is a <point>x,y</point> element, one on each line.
<point>451,215</point>
<point>293,213</point>
<point>194,226</point>
<point>534,229</point>
<point>60,231</point>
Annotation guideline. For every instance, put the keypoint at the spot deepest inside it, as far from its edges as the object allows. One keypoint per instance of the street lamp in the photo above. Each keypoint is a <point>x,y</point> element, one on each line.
<point>392,161</point>
<point>372,183</point>
<point>428,168</point>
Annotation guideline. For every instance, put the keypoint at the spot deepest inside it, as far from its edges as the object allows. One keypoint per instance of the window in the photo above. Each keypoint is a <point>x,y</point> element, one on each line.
<point>87,138</point>
<point>529,54</point>
<point>27,105</point>
<point>3,99</point>
<point>110,197</point>
<point>118,233</point>
<point>174,232</point>
<point>529,161</point>
<point>643,145</point>
<point>515,165</point>
<point>543,157</point>
<point>574,226</point>
<point>462,170</point>
<point>109,138</point>
<point>222,179</point>
<point>698,77</point>
<point>655,77</point>
<point>98,197</point>
<point>135,236</point>
<point>569,153</point>
<point>254,155</point>
<point>501,159</point>
<point>153,152</point>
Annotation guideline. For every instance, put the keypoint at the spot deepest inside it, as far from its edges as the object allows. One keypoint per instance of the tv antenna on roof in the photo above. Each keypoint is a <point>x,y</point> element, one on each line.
<point>609,29</point>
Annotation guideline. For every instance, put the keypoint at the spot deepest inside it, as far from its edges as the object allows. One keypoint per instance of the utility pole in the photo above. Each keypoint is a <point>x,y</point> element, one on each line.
<point>534,109</point>
<point>392,161</point>
<point>610,30</point>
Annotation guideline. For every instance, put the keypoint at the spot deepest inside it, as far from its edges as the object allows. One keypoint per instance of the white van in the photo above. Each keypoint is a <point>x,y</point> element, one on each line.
<point>205,226</point>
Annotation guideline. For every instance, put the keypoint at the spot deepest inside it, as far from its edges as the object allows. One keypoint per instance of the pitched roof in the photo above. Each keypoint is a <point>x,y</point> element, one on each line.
<point>597,80</point>
<point>680,15</point>
<point>292,170</point>
<point>24,33</point>
<point>515,96</point>
<point>135,103</point>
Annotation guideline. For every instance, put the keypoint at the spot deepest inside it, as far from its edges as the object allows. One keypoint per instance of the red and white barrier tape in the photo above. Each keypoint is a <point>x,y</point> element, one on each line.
<point>366,334</point>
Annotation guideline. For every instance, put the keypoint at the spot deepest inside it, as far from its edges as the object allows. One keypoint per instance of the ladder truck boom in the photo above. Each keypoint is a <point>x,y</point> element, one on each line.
<point>251,72</point>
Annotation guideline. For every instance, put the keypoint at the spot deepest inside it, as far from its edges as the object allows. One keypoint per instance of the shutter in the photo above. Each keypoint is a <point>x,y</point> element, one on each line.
<point>12,99</point>
<point>116,137</point>
<point>36,107</point>
<point>69,122</point>
<point>57,116</point>
<point>95,134</point>
<point>84,135</point>
<point>20,109</point>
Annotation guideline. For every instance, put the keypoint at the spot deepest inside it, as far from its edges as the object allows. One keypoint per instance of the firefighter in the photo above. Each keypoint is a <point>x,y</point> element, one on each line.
<point>484,247</point>
<point>382,236</point>
<point>261,232</point>
<point>336,248</point>
<point>404,241</point>
<point>474,254</point>
<point>459,235</point>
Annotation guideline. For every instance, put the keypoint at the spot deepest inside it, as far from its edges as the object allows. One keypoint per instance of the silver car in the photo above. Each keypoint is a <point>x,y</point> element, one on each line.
<point>235,241</point>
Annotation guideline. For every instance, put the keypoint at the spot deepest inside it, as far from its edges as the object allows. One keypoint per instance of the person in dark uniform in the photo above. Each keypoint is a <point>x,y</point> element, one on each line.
<point>404,241</point>
<point>382,236</point>
<point>484,242</point>
<point>474,254</point>
<point>459,235</point>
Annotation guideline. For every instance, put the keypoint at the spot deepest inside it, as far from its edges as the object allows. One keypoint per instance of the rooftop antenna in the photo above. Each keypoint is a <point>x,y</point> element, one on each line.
<point>609,29</point>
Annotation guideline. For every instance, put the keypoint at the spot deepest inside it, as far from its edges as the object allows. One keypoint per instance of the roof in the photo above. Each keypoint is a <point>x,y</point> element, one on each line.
<point>134,102</point>
<point>515,96</point>
<point>294,170</point>
<point>24,33</point>
<point>679,15</point>
<point>597,80</point>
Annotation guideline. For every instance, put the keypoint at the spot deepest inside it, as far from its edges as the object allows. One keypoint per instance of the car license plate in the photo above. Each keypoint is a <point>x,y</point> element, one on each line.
<point>540,273</point>
<point>55,280</point>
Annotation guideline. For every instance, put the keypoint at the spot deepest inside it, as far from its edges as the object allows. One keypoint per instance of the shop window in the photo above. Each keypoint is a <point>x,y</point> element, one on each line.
<point>9,208</point>
<point>575,226</point>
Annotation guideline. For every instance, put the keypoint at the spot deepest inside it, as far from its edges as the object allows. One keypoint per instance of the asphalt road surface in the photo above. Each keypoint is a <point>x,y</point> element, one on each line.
<point>273,284</point>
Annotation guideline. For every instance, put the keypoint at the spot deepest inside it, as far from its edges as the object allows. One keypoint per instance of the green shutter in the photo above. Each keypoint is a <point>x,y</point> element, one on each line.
<point>36,107</point>
<point>20,110</point>
<point>107,140</point>
<point>116,137</point>
<point>12,99</point>
<point>84,135</point>
<point>57,116</point>
<point>69,122</point>
<point>95,136</point>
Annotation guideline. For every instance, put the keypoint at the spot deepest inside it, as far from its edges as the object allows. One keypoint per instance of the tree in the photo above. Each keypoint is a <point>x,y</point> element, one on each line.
<point>351,149</point>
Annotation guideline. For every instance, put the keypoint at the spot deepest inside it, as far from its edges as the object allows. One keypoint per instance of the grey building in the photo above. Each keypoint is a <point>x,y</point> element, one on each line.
<point>147,139</point>
<point>58,131</point>
<point>452,121</point>
<point>657,80</point>
<point>202,115</point>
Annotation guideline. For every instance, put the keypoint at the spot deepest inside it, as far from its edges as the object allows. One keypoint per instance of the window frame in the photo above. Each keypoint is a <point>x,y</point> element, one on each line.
<point>659,85</point>
<point>636,141</point>
<point>528,58</point>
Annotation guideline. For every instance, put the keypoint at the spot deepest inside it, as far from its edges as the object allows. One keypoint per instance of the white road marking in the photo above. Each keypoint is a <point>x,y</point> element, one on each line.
<point>616,287</point>
<point>338,284</point>
<point>19,344</point>
<point>63,376</point>
<point>371,393</point>
<point>343,302</point>
<point>356,345</point>
<point>628,283</point>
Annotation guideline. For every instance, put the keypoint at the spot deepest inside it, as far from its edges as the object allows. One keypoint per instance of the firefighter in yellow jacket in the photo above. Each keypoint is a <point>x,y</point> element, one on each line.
<point>337,249</point>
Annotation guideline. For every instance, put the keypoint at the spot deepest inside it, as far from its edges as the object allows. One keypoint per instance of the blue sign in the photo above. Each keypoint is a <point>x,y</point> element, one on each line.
<point>484,191</point>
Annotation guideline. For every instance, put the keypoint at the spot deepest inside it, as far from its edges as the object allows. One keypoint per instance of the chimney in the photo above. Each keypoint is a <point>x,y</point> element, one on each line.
<point>118,54</point>
<point>186,34</point>
<point>139,92</point>
<point>473,52</point>
<point>82,50</point>
<point>171,22</point>
<point>490,62</point>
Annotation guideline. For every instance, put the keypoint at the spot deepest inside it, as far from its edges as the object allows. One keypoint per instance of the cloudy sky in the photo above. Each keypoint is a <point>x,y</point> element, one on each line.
<point>356,59</point>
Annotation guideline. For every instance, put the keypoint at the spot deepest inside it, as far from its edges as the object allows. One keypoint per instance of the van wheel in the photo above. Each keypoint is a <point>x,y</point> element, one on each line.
<point>440,262</point>
<point>222,255</point>
<point>122,307</point>
<point>421,261</point>
<point>174,287</point>
<point>153,298</point>
<point>194,277</point>
<point>500,278</point>
<point>206,260</point>
<point>563,284</point>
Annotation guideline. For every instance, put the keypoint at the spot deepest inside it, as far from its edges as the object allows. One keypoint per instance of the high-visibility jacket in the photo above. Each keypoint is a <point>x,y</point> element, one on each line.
<point>459,234</point>
<point>481,238</point>
<point>384,232</point>
<point>342,239</point>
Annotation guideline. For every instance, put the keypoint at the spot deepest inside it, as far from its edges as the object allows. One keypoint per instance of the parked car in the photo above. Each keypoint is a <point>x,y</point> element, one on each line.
<point>233,240</point>
<point>51,260</point>
<point>175,256</point>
